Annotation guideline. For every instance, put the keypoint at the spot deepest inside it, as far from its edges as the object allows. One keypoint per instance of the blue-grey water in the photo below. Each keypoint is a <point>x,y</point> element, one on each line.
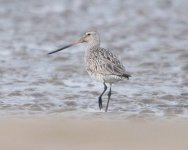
<point>150,37</point>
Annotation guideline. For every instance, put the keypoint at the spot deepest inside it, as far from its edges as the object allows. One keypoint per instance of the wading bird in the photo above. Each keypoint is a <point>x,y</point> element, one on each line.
<point>101,64</point>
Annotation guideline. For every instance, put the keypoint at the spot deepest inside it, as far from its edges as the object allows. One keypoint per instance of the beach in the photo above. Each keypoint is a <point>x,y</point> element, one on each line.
<point>149,38</point>
<point>61,134</point>
<point>49,102</point>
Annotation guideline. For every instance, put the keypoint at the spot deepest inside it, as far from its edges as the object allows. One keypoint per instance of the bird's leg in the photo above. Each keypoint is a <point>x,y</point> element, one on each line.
<point>100,97</point>
<point>109,94</point>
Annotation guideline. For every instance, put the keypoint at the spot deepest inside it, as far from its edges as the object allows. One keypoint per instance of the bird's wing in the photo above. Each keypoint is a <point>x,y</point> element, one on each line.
<point>109,63</point>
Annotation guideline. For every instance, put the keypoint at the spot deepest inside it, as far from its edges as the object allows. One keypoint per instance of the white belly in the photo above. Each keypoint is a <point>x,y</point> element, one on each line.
<point>105,78</point>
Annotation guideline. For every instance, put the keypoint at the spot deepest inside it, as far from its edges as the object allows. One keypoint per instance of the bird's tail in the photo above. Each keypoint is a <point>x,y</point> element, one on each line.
<point>126,76</point>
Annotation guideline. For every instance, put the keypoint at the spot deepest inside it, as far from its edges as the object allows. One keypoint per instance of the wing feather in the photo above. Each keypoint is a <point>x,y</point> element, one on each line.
<point>105,62</point>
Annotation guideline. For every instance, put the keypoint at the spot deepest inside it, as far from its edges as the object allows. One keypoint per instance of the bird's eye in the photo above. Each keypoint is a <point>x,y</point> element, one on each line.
<point>89,34</point>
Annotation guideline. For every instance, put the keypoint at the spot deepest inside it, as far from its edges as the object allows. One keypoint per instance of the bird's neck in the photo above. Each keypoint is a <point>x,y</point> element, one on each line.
<point>94,43</point>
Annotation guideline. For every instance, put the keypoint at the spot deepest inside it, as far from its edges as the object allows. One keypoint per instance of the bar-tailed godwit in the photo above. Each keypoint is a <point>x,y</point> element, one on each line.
<point>101,64</point>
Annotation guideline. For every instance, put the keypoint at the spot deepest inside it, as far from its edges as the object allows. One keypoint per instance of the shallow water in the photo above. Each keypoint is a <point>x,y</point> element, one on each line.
<point>150,38</point>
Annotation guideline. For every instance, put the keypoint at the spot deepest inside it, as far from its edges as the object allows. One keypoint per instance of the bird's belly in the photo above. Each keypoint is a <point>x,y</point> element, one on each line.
<point>96,76</point>
<point>112,78</point>
<point>104,78</point>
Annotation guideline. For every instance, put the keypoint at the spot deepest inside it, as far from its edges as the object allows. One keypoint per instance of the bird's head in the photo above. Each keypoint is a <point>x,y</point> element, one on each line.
<point>92,38</point>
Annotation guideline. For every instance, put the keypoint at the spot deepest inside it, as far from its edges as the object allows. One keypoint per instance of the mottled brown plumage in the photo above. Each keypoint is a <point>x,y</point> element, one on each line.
<point>101,64</point>
<point>104,66</point>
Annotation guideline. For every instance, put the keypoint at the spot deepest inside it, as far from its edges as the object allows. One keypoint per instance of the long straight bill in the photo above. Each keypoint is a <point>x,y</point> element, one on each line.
<point>67,46</point>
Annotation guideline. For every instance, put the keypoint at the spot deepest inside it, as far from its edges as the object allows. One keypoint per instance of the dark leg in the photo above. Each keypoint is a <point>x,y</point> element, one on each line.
<point>100,97</point>
<point>109,94</point>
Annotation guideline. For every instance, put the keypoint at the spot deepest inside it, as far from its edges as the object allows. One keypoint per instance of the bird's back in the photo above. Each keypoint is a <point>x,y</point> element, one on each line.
<point>102,65</point>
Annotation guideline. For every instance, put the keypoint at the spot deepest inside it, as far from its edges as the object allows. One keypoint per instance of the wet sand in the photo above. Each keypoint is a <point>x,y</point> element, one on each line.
<point>150,38</point>
<point>61,134</point>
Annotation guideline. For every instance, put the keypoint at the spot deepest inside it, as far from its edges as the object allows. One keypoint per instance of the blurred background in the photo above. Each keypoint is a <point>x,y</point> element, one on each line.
<point>150,37</point>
